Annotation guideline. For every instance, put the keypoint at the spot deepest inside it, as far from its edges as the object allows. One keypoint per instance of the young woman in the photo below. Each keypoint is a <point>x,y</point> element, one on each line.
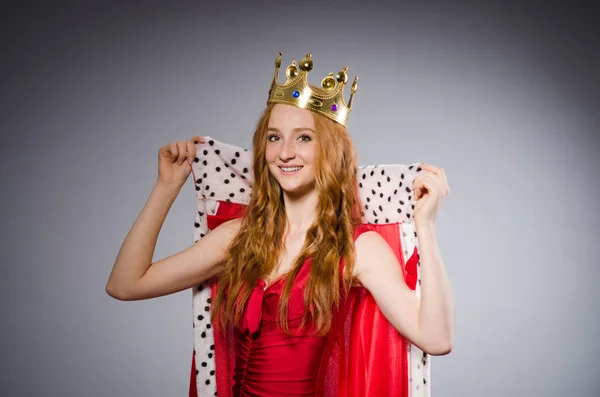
<point>297,251</point>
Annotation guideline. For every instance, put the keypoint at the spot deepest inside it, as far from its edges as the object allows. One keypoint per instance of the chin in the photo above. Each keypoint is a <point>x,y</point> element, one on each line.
<point>297,189</point>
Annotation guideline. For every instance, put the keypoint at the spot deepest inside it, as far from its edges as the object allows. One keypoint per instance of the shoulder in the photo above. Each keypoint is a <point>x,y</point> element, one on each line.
<point>369,240</point>
<point>223,234</point>
<point>232,224</point>
<point>371,249</point>
<point>361,229</point>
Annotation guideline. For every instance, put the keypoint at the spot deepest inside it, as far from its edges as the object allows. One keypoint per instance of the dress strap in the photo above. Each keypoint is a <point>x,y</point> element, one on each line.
<point>360,229</point>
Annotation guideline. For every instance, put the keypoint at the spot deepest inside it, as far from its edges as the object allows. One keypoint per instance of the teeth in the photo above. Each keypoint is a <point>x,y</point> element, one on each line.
<point>288,169</point>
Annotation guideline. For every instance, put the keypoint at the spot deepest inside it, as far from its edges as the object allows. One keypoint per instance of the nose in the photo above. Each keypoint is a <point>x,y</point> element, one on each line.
<point>288,151</point>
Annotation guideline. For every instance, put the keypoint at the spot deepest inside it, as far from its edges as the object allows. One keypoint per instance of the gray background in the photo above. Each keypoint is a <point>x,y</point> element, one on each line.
<point>504,97</point>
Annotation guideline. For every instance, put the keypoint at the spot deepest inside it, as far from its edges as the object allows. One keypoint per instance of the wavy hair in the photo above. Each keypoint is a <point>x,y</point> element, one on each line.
<point>255,250</point>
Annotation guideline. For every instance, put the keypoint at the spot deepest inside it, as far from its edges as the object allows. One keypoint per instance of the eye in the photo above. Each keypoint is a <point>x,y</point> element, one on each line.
<point>272,137</point>
<point>305,138</point>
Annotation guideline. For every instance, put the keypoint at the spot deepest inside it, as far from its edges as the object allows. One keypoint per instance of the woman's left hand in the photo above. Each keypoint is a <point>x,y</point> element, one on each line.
<point>430,188</point>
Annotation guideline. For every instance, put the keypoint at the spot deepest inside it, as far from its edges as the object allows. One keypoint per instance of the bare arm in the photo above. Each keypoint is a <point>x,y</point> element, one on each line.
<point>428,322</point>
<point>134,276</point>
<point>137,250</point>
<point>436,314</point>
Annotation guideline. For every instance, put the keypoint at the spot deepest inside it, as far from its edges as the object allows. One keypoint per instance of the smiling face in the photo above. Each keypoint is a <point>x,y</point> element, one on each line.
<point>291,148</point>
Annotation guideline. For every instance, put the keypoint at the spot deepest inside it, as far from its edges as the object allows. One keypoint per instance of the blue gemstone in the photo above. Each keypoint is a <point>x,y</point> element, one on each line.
<point>296,94</point>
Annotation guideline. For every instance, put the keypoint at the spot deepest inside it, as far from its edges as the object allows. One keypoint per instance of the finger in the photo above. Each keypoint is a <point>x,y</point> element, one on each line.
<point>439,171</point>
<point>419,186</point>
<point>416,186</point>
<point>430,183</point>
<point>433,182</point>
<point>191,149</point>
<point>419,193</point>
<point>443,182</point>
<point>432,168</point>
<point>181,145</point>
<point>446,185</point>
<point>437,179</point>
<point>198,139</point>
<point>442,175</point>
<point>418,181</point>
<point>174,152</point>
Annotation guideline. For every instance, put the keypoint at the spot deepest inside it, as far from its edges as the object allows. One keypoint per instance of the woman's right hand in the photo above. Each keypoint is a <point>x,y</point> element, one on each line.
<point>175,161</point>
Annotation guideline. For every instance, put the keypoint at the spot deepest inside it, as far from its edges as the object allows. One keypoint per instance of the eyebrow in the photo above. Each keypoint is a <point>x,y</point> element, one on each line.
<point>299,129</point>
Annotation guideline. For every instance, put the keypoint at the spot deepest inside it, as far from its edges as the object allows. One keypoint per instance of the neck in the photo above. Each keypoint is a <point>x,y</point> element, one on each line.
<point>300,210</point>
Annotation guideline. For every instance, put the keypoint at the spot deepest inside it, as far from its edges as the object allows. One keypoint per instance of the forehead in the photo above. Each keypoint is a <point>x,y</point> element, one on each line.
<point>289,117</point>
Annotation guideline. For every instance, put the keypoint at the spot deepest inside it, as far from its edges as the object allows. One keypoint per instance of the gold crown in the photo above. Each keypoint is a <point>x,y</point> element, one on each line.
<point>297,92</point>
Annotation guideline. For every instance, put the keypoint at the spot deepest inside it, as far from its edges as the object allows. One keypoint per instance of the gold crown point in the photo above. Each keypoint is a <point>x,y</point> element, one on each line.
<point>328,83</point>
<point>353,90</point>
<point>342,77</point>
<point>306,64</point>
<point>278,60</point>
<point>292,71</point>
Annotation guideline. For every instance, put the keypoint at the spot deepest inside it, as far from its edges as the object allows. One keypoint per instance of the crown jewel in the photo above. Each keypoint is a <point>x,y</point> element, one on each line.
<point>296,91</point>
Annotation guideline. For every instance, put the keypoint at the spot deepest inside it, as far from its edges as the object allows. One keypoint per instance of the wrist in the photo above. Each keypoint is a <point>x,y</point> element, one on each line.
<point>425,227</point>
<point>167,187</point>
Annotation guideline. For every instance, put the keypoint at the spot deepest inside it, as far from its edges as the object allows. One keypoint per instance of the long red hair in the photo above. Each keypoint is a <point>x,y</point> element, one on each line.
<point>255,251</point>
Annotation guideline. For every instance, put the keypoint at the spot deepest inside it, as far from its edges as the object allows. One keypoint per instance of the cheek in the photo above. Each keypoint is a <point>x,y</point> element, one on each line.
<point>310,153</point>
<point>270,154</point>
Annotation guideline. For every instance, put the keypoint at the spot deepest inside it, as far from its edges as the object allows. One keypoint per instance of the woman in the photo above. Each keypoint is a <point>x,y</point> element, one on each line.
<point>299,248</point>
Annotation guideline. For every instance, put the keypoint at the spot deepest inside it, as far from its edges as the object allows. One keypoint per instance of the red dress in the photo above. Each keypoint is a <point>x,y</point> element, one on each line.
<point>268,361</point>
<point>361,356</point>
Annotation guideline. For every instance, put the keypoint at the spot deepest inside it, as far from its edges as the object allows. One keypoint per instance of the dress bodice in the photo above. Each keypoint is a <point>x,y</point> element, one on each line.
<point>268,361</point>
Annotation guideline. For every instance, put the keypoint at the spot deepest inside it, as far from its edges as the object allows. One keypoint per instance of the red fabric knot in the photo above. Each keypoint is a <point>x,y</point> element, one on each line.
<point>253,313</point>
<point>411,270</point>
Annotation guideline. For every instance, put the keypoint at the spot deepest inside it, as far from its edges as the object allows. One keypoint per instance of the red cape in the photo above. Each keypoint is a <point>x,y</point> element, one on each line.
<point>364,355</point>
